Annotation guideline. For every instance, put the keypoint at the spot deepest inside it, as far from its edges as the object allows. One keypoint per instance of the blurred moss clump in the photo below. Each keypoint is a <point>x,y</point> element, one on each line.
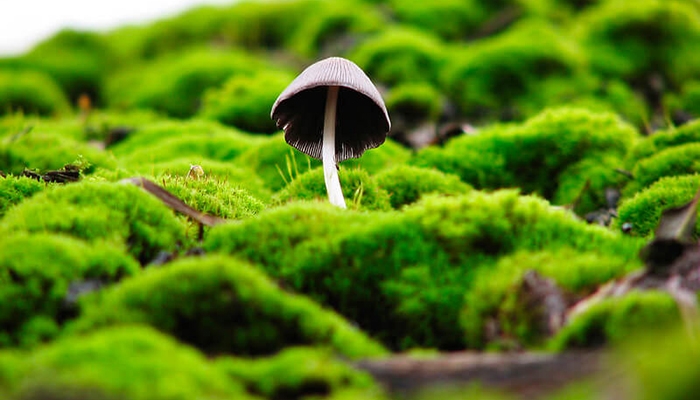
<point>121,214</point>
<point>662,140</point>
<point>359,189</point>
<point>36,271</point>
<point>411,268</point>
<point>538,153</point>
<point>126,362</point>
<point>244,101</point>
<point>497,312</point>
<point>31,92</point>
<point>298,372</point>
<point>224,306</point>
<point>619,318</point>
<point>175,83</point>
<point>643,210</point>
<point>400,55</point>
<point>516,73</point>
<point>407,184</point>
<point>14,189</point>
<point>449,19</point>
<point>678,160</point>
<point>414,103</point>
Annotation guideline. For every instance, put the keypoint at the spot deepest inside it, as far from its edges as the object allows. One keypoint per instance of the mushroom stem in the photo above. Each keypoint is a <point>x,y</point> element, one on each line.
<point>330,169</point>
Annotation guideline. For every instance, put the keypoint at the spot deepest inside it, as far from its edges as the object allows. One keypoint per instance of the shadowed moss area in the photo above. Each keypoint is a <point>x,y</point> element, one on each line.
<point>360,190</point>
<point>663,139</point>
<point>407,184</point>
<point>643,211</point>
<point>499,298</point>
<point>535,155</point>
<point>121,214</point>
<point>30,92</point>
<point>223,306</point>
<point>616,319</point>
<point>15,189</point>
<point>674,161</point>
<point>411,268</point>
<point>36,271</point>
<point>297,372</point>
<point>128,362</point>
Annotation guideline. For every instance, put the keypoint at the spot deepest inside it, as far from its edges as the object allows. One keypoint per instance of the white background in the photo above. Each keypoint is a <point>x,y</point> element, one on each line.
<point>23,23</point>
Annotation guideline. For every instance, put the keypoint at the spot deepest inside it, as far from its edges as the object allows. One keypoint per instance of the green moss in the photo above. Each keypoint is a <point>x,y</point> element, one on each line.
<point>328,28</point>
<point>643,211</point>
<point>213,196</point>
<point>537,154</point>
<point>375,160</point>
<point>515,73</point>
<point>35,272</point>
<point>687,100</point>
<point>406,184</point>
<point>633,40</point>
<point>223,305</point>
<point>400,55</point>
<point>170,140</point>
<point>122,214</point>
<point>616,319</point>
<point>415,101</point>
<point>245,101</point>
<point>129,362</point>
<point>449,19</point>
<point>664,139</point>
<point>174,84</point>
<point>674,161</point>
<point>411,268</point>
<point>359,189</point>
<point>31,92</point>
<point>296,372</point>
<point>15,189</point>
<point>495,296</point>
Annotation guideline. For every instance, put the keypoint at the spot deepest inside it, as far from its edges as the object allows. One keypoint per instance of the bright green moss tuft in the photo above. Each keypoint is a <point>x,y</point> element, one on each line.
<point>415,101</point>
<point>128,362</point>
<point>617,319</point>
<point>35,273</point>
<point>245,101</point>
<point>122,214</point>
<point>212,196</point>
<point>497,298</point>
<point>297,372</point>
<point>406,184</point>
<point>662,140</point>
<point>411,268</point>
<point>674,161</point>
<point>516,73</point>
<point>169,140</point>
<point>220,305</point>
<point>15,189</point>
<point>643,211</point>
<point>400,55</point>
<point>175,83</point>
<point>390,153</point>
<point>359,189</point>
<point>30,92</point>
<point>536,155</point>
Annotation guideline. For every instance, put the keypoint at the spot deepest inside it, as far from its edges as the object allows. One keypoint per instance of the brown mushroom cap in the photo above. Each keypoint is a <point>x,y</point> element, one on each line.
<point>362,121</point>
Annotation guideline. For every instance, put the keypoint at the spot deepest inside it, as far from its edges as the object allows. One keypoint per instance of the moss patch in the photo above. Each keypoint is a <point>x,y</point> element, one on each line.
<point>31,92</point>
<point>15,189</point>
<point>406,184</point>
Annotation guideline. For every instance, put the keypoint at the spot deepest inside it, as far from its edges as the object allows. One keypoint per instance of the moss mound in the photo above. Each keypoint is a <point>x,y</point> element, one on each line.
<point>31,92</point>
<point>643,211</point>
<point>359,189</point>
<point>298,372</point>
<point>131,362</point>
<point>15,189</point>
<point>121,214</point>
<point>36,271</point>
<point>407,184</point>
<point>674,161</point>
<point>411,268</point>
<point>223,306</point>
<point>663,139</point>
<point>498,297</point>
<point>175,84</point>
<point>535,155</point>
<point>449,19</point>
<point>245,101</point>
<point>616,319</point>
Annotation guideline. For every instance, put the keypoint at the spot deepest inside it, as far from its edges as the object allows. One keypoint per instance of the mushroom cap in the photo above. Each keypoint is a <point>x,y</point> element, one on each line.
<point>362,121</point>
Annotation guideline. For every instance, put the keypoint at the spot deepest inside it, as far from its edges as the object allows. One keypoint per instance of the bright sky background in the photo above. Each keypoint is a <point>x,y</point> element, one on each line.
<point>23,23</point>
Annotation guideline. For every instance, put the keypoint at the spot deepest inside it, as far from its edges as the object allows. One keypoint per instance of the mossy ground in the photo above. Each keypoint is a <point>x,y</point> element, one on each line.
<point>553,110</point>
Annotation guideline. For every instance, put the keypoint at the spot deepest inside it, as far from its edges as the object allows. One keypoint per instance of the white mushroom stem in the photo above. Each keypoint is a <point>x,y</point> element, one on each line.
<point>330,169</point>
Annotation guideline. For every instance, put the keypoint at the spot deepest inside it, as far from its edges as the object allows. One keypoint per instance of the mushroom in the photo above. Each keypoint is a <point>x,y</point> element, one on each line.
<point>332,112</point>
